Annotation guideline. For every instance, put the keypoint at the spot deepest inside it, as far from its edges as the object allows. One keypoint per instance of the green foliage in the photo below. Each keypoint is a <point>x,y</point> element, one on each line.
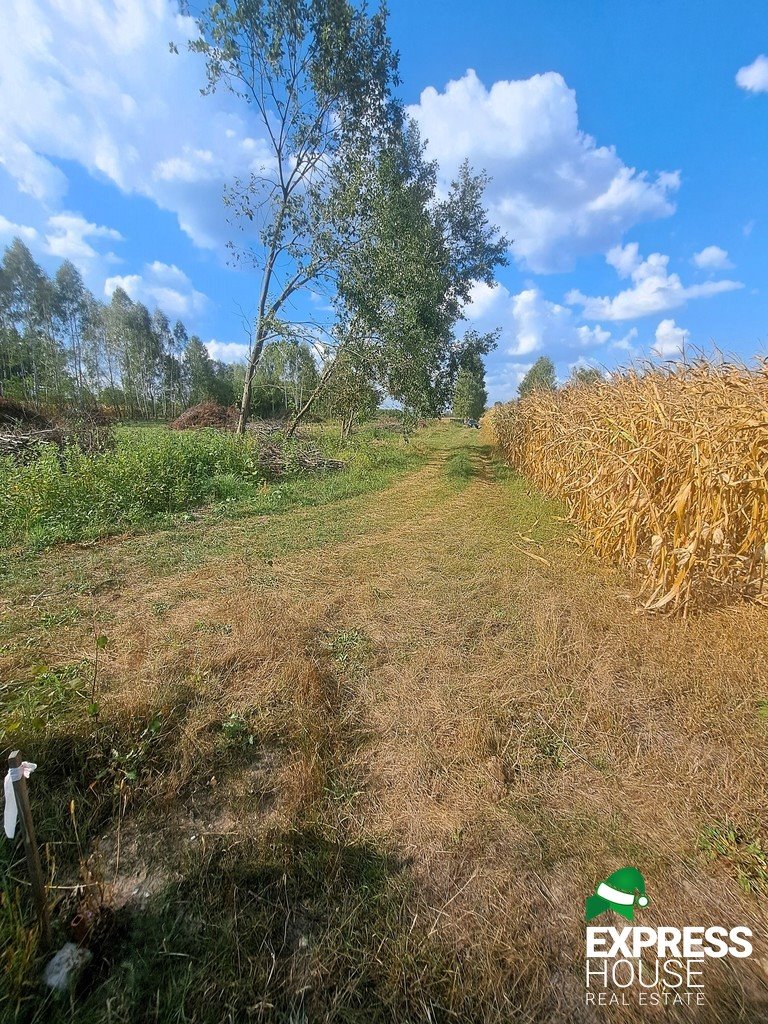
<point>405,283</point>
<point>540,377</point>
<point>351,648</point>
<point>202,380</point>
<point>350,394</point>
<point>60,346</point>
<point>29,707</point>
<point>469,396</point>
<point>745,854</point>
<point>284,379</point>
<point>153,473</point>
<point>318,77</point>
<point>585,375</point>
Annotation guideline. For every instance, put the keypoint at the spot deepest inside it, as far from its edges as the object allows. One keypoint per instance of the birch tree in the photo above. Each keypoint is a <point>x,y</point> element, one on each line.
<point>317,74</point>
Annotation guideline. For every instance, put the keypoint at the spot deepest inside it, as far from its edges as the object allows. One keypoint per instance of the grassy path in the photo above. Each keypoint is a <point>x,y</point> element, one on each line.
<point>375,775</point>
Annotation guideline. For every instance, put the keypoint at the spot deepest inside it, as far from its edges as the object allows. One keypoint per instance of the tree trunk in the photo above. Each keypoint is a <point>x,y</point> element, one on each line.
<point>245,401</point>
<point>308,404</point>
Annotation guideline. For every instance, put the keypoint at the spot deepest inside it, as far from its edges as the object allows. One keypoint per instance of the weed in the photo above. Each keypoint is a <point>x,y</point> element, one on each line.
<point>154,473</point>
<point>30,707</point>
<point>236,731</point>
<point>744,853</point>
<point>351,648</point>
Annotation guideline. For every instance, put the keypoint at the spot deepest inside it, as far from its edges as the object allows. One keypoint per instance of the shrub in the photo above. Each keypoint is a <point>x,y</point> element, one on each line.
<point>151,472</point>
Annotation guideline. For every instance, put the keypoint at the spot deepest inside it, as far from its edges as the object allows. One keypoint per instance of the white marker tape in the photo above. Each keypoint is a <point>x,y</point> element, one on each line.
<point>11,812</point>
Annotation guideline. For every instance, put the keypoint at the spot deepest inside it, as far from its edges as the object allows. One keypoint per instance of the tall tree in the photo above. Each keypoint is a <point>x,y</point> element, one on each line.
<point>60,344</point>
<point>27,297</point>
<point>200,372</point>
<point>405,285</point>
<point>585,375</point>
<point>540,377</point>
<point>70,309</point>
<point>469,395</point>
<point>318,76</point>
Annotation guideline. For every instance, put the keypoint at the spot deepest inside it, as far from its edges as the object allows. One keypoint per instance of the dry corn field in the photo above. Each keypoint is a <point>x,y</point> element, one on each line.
<point>363,762</point>
<point>665,470</point>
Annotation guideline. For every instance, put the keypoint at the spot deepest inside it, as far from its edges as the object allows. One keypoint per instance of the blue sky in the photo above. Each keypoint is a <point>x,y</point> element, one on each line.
<point>627,144</point>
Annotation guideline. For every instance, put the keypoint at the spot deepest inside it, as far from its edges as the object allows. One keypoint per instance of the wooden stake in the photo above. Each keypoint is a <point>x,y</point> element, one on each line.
<point>31,852</point>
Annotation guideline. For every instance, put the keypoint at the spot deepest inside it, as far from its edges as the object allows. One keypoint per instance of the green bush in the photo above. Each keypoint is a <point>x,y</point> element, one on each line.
<point>151,472</point>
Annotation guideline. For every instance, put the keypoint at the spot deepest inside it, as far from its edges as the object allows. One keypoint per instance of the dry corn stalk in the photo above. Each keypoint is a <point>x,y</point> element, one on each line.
<point>664,468</point>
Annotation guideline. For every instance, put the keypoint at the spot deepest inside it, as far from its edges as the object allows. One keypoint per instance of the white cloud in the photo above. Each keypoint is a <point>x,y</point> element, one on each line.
<point>9,230</point>
<point>748,228</point>
<point>502,383</point>
<point>626,343</point>
<point>654,289</point>
<point>485,299</point>
<point>554,191</point>
<point>161,284</point>
<point>227,351</point>
<point>754,77</point>
<point>93,81</point>
<point>670,339</point>
<point>712,257</point>
<point>68,233</point>
<point>531,323</point>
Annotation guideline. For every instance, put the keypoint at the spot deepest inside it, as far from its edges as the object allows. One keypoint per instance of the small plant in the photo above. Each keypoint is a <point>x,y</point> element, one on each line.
<point>745,854</point>
<point>350,647</point>
<point>236,733</point>
<point>125,766</point>
<point>51,694</point>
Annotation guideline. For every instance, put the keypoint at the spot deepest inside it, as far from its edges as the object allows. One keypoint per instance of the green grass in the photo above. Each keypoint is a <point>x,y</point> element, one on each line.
<point>459,467</point>
<point>153,474</point>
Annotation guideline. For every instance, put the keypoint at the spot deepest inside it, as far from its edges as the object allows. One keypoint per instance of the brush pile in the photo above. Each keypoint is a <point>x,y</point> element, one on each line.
<point>207,414</point>
<point>664,469</point>
<point>278,459</point>
<point>22,430</point>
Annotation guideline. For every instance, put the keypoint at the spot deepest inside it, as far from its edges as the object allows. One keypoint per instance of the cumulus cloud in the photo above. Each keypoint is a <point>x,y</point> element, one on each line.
<point>502,382</point>
<point>754,77</point>
<point>163,285</point>
<point>627,342</point>
<point>95,82</point>
<point>712,257</point>
<point>10,230</point>
<point>68,236</point>
<point>654,289</point>
<point>227,351</point>
<point>670,339</point>
<point>531,323</point>
<point>554,190</point>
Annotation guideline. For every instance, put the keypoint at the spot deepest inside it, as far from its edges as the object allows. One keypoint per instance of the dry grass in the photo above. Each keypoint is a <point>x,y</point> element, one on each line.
<point>390,769</point>
<point>665,469</point>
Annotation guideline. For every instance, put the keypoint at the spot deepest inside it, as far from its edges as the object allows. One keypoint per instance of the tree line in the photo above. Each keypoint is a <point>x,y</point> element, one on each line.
<point>347,204</point>
<point>60,346</point>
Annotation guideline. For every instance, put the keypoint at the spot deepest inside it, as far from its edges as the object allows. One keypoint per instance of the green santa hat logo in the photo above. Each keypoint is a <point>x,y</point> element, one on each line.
<point>617,893</point>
